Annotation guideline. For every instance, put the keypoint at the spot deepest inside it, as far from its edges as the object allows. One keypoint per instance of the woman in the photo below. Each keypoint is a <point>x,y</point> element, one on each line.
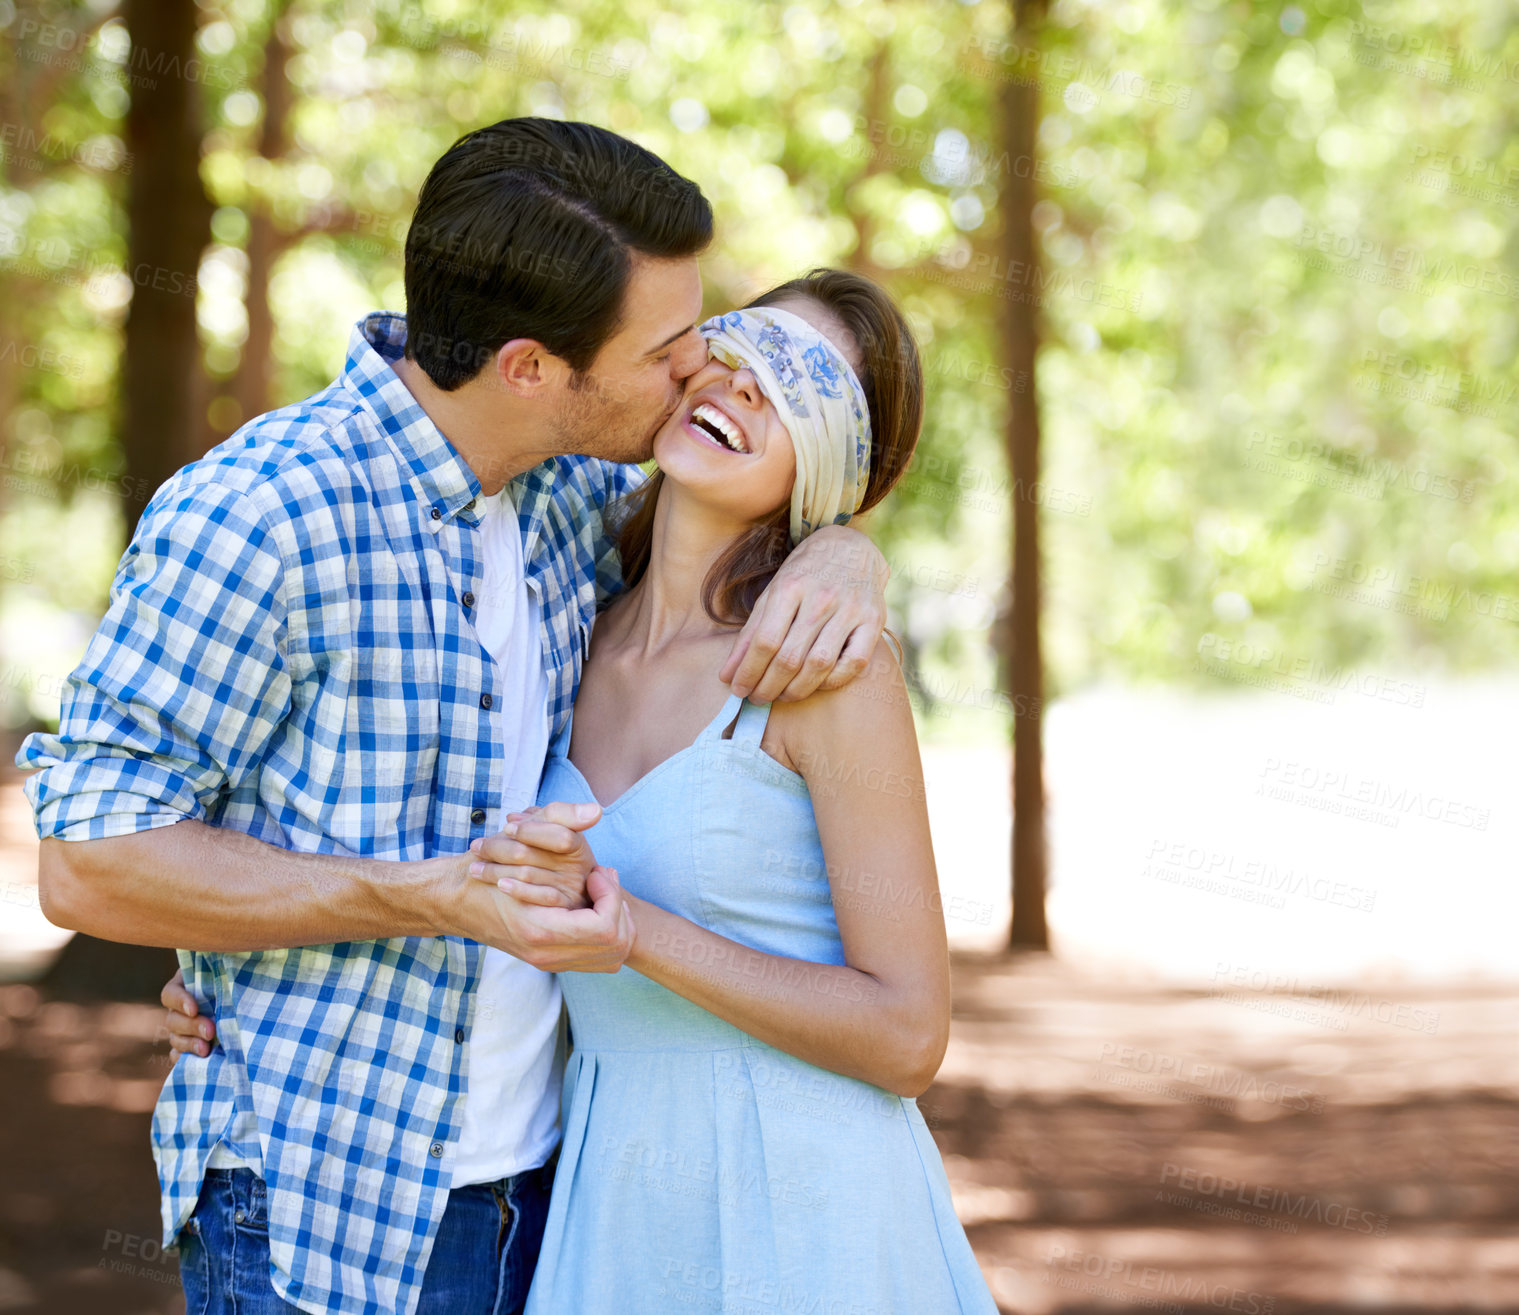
<point>739,1128</point>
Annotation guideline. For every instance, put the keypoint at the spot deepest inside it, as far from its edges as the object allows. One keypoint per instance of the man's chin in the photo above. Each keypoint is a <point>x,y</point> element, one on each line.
<point>611,446</point>
<point>635,453</point>
<point>632,454</point>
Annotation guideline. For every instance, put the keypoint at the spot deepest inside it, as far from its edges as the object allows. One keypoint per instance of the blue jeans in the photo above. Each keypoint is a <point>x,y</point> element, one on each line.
<point>481,1264</point>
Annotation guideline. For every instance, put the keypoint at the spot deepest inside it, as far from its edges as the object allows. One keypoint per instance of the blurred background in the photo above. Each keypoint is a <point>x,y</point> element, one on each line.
<point>1212,528</point>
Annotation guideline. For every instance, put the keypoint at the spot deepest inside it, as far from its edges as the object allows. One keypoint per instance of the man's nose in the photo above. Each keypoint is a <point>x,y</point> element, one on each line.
<point>689,357</point>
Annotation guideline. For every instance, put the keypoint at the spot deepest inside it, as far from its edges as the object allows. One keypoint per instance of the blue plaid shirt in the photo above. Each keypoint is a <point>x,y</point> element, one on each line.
<point>289,652</point>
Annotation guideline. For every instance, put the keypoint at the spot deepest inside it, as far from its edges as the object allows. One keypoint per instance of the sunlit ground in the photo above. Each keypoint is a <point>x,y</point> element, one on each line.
<point>1207,839</point>
<point>1214,839</point>
<point>28,942</point>
<point>1115,1145</point>
<point>1272,1067</point>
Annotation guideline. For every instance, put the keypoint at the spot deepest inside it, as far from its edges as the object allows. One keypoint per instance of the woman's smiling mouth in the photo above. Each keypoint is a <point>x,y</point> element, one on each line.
<point>707,422</point>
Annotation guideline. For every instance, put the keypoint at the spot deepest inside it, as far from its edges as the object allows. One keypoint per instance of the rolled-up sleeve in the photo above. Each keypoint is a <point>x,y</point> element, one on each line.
<point>183,684</point>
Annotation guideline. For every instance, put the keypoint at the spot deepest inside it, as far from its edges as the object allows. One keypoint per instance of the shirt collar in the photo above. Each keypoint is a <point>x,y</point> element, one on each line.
<point>446,482</point>
<point>530,493</point>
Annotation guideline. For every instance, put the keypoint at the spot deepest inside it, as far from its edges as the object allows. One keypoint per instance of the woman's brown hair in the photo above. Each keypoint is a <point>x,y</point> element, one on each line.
<point>892,376</point>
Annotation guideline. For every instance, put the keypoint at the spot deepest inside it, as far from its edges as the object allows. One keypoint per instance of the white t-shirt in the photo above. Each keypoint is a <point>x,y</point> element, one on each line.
<point>513,1059</point>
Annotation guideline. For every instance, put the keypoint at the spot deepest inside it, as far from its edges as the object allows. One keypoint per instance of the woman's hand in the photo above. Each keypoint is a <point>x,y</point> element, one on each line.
<point>189,1034</point>
<point>539,856</point>
<point>555,939</point>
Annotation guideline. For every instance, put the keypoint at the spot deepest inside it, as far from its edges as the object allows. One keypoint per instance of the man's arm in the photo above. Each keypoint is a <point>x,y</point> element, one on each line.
<point>199,887</point>
<point>817,623</point>
<point>181,692</point>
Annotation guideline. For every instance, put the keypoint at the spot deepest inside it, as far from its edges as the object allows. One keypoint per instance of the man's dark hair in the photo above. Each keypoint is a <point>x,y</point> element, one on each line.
<point>526,229</point>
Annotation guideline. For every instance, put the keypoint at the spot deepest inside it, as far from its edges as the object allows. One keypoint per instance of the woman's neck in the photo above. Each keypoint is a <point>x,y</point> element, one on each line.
<point>665,607</point>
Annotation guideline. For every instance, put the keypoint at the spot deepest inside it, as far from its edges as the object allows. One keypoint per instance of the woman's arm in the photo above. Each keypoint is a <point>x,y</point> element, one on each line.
<point>884,1016</point>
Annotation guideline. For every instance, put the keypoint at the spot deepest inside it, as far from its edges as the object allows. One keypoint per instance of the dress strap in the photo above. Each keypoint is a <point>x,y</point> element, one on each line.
<point>752,718</point>
<point>715,728</point>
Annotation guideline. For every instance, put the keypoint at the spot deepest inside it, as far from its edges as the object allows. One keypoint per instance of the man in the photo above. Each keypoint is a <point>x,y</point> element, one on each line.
<point>314,690</point>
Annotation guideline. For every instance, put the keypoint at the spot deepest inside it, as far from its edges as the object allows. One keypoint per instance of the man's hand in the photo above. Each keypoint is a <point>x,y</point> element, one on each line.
<point>817,623</point>
<point>557,940</point>
<point>526,870</point>
<point>588,940</point>
<point>539,856</point>
<point>189,1034</point>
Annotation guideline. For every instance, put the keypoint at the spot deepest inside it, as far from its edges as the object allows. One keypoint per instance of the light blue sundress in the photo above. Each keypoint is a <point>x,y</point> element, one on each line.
<point>702,1169</point>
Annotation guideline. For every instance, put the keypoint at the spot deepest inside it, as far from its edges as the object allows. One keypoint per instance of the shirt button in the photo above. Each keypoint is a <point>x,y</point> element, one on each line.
<point>459,1035</point>
<point>468,600</point>
<point>437,513</point>
<point>239,1217</point>
<point>478,816</point>
<point>470,505</point>
<point>485,701</point>
<point>436,1150</point>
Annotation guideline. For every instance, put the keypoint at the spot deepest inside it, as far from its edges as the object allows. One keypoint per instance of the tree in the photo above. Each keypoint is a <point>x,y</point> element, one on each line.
<point>32,156</point>
<point>162,389</point>
<point>1021,652</point>
<point>264,241</point>
<point>169,219</point>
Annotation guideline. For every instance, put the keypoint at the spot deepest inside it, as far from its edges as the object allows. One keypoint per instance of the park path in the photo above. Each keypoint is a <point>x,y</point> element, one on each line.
<point>1130,1143</point>
<point>1112,1144</point>
<point>1274,1068</point>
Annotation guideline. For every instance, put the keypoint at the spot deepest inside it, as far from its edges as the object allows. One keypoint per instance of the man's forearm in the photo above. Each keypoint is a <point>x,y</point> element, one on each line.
<point>200,887</point>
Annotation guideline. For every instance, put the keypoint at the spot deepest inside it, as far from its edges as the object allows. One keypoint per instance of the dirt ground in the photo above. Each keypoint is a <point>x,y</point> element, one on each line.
<point>1112,1144</point>
<point>1126,1144</point>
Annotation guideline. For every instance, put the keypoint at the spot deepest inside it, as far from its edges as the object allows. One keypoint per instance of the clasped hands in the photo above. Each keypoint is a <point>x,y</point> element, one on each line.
<point>555,906</point>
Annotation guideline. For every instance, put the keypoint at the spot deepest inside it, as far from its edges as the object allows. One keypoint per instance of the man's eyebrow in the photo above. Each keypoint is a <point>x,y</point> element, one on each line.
<point>674,337</point>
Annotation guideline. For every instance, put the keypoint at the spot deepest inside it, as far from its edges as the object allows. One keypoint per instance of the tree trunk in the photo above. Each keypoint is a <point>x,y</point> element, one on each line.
<point>163,388</point>
<point>255,371</point>
<point>162,381</point>
<point>877,107</point>
<point>1020,637</point>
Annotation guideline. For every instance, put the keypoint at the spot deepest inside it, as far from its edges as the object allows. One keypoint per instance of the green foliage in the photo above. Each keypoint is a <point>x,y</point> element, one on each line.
<point>1278,294</point>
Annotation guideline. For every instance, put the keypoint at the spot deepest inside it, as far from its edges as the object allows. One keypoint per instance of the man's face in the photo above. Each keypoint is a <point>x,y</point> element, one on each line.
<point>636,381</point>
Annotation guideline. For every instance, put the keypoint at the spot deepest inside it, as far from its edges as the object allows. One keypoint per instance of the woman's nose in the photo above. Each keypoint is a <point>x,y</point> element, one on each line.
<point>743,382</point>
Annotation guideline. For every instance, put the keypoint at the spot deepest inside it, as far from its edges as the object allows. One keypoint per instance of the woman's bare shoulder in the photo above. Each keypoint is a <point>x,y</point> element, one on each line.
<point>874,700</point>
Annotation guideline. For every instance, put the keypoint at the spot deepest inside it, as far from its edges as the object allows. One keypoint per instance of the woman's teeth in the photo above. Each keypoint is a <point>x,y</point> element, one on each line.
<point>719,426</point>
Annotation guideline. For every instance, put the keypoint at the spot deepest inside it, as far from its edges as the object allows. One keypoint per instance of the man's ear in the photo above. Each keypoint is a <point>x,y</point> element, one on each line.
<point>527,369</point>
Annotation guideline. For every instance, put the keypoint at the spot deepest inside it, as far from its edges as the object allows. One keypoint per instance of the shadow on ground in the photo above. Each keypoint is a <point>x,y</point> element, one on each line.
<point>1112,1145</point>
<point>1119,1144</point>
